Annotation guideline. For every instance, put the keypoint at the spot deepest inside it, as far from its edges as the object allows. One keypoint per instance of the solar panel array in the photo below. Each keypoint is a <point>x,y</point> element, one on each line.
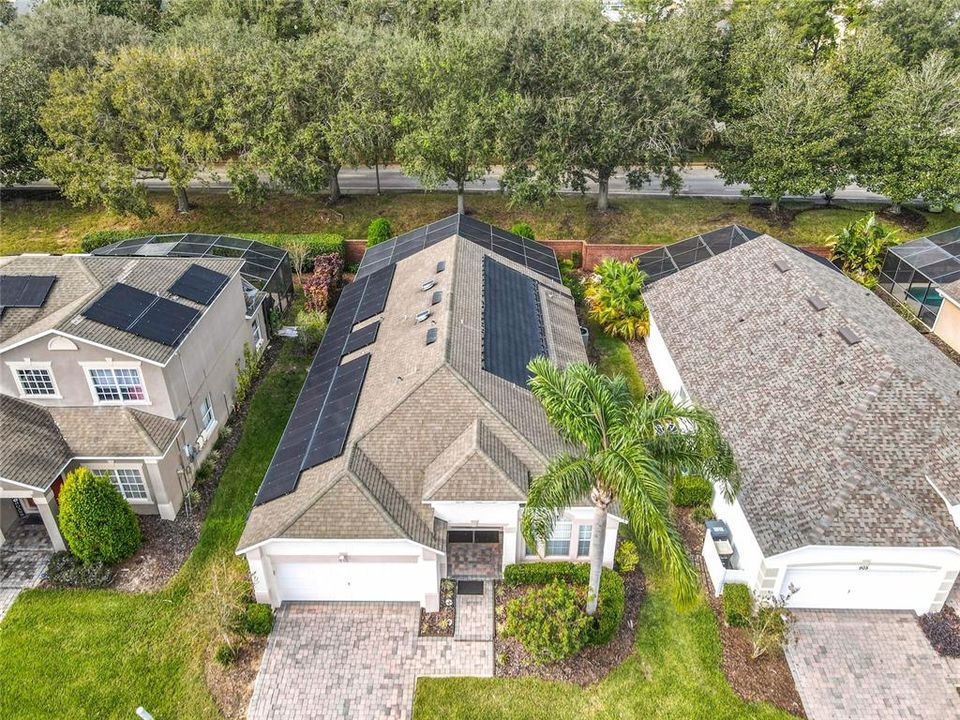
<point>149,316</point>
<point>667,260</point>
<point>522,250</point>
<point>24,291</point>
<point>199,284</point>
<point>321,419</point>
<point>513,332</point>
<point>266,267</point>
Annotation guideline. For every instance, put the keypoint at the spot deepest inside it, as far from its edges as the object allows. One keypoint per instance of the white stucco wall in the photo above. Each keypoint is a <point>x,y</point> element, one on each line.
<point>663,363</point>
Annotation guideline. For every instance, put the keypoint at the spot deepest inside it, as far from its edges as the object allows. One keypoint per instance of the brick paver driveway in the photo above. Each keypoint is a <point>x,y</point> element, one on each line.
<point>23,560</point>
<point>870,664</point>
<point>361,660</point>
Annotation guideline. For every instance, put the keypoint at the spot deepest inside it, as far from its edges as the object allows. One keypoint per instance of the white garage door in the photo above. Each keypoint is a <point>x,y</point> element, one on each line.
<point>306,579</point>
<point>879,587</point>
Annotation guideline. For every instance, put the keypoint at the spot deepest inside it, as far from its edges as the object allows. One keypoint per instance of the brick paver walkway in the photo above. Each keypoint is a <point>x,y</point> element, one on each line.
<point>870,664</point>
<point>361,660</point>
<point>23,560</point>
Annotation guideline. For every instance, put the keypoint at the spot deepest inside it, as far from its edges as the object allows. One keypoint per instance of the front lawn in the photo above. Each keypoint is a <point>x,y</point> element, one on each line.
<point>673,673</point>
<point>100,654</point>
<point>55,226</point>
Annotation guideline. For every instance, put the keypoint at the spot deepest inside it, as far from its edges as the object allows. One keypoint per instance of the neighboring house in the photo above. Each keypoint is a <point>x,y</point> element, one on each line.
<point>914,272</point>
<point>844,420</point>
<point>409,453</point>
<point>947,325</point>
<point>124,365</point>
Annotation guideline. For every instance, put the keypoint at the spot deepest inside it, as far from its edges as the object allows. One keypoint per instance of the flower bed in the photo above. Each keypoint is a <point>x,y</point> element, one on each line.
<point>443,622</point>
<point>590,664</point>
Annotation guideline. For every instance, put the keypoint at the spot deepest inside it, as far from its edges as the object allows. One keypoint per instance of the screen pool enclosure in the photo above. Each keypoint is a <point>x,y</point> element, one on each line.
<point>912,272</point>
<point>663,261</point>
<point>265,267</point>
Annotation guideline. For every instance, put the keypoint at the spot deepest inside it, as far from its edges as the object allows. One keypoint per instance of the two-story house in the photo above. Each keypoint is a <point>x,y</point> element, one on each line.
<point>124,365</point>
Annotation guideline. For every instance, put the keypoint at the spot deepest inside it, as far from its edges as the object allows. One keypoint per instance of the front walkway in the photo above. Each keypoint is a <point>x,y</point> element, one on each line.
<point>23,560</point>
<point>870,664</point>
<point>361,660</point>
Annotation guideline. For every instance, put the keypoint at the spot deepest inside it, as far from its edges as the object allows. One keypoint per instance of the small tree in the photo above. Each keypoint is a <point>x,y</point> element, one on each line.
<point>615,299</point>
<point>860,247</point>
<point>320,287</point>
<point>298,251</point>
<point>311,326</point>
<point>378,231</point>
<point>96,522</point>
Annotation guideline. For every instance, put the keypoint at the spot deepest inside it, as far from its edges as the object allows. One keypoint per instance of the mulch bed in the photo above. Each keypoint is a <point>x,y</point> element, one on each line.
<point>168,543</point>
<point>783,217</point>
<point>908,219</point>
<point>443,622</point>
<point>942,630</point>
<point>591,664</point>
<point>766,679</point>
<point>232,686</point>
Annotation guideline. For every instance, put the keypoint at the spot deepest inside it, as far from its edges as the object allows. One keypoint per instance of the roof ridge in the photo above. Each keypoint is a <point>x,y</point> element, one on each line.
<point>135,416</point>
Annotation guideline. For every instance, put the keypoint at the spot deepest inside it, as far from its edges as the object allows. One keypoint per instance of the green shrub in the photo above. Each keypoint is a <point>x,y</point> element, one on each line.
<point>692,490</point>
<point>258,619</point>
<point>317,243</point>
<point>378,231</point>
<point>66,570</point>
<point>98,238</point>
<point>225,655</point>
<point>523,230</point>
<point>737,604</point>
<point>95,520</point>
<point>548,621</point>
<point>627,557</point>
<point>205,471</point>
<point>311,327</point>
<point>702,513</point>
<point>610,604</point>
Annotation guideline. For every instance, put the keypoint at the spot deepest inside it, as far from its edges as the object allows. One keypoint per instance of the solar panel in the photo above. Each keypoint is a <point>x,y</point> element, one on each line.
<point>25,291</point>
<point>527,252</point>
<point>512,322</point>
<point>334,423</point>
<point>132,310</point>
<point>362,337</point>
<point>199,284</point>
<point>375,294</point>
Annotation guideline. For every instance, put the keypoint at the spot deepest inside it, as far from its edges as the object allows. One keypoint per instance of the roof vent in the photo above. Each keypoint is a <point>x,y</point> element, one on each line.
<point>437,297</point>
<point>441,266</point>
<point>849,336</point>
<point>431,336</point>
<point>816,303</point>
<point>422,315</point>
<point>427,284</point>
<point>782,265</point>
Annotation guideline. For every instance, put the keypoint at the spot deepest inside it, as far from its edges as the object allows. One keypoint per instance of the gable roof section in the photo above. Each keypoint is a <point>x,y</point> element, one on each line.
<point>836,441</point>
<point>34,452</point>
<point>81,279</point>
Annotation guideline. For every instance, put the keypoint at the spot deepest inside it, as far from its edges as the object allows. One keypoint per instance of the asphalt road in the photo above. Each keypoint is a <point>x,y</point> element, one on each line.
<point>698,181</point>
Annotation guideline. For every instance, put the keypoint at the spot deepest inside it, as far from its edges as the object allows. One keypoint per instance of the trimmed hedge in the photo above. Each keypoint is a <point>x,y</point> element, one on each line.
<point>98,238</point>
<point>737,604</point>
<point>95,520</point>
<point>692,490</point>
<point>318,243</point>
<point>378,231</point>
<point>612,599</point>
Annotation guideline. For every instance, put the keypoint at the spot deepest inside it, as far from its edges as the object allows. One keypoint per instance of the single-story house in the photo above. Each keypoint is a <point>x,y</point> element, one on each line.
<point>409,453</point>
<point>844,420</point>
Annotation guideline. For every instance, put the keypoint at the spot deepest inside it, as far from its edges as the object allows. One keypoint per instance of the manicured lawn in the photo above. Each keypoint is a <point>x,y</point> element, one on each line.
<point>54,226</point>
<point>100,654</point>
<point>614,356</point>
<point>674,673</point>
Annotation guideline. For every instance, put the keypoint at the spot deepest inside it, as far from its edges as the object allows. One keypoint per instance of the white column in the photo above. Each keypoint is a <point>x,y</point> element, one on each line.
<point>48,513</point>
<point>165,506</point>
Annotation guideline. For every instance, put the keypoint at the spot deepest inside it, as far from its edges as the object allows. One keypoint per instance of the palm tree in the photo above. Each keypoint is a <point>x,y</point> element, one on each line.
<point>629,450</point>
<point>615,301</point>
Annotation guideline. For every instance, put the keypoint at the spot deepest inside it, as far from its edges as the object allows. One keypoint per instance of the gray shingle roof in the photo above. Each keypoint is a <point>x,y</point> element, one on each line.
<point>38,441</point>
<point>81,279</point>
<point>428,417</point>
<point>835,441</point>
<point>951,290</point>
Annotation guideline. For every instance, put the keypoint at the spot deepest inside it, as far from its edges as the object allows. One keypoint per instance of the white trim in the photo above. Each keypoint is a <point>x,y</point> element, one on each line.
<point>79,339</point>
<point>261,543</point>
<point>948,298</point>
<point>27,364</point>
<point>111,364</point>
<point>148,500</point>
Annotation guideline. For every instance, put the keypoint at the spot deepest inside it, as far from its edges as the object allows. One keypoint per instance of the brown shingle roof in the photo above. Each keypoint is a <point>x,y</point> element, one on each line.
<point>33,451</point>
<point>835,441</point>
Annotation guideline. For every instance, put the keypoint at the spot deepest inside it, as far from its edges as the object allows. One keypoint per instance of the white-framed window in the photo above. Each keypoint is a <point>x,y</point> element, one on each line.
<point>583,540</point>
<point>117,385</point>
<point>257,335</point>
<point>35,379</point>
<point>207,416</point>
<point>559,541</point>
<point>129,481</point>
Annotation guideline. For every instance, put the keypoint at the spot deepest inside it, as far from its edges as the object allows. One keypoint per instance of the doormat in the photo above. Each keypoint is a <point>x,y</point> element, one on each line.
<point>470,587</point>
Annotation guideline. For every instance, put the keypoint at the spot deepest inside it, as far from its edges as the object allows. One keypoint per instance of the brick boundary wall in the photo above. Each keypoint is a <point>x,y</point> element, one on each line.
<point>590,253</point>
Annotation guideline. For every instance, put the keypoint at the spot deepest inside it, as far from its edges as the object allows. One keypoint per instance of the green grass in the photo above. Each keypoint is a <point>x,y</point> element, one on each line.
<point>100,654</point>
<point>614,357</point>
<point>673,673</point>
<point>55,226</point>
